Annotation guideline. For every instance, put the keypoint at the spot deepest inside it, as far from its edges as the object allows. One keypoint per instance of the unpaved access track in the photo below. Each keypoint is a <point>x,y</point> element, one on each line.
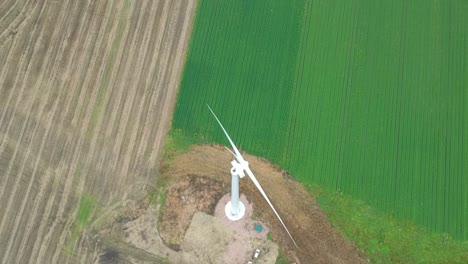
<point>86,93</point>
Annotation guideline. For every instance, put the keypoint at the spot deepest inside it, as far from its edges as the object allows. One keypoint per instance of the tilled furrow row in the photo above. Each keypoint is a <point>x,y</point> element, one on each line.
<point>132,75</point>
<point>18,187</point>
<point>82,91</point>
<point>181,27</point>
<point>161,56</point>
<point>27,130</point>
<point>17,70</point>
<point>48,118</point>
<point>75,168</point>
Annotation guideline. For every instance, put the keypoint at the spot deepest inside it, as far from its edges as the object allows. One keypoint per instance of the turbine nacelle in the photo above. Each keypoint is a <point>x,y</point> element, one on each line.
<point>237,169</point>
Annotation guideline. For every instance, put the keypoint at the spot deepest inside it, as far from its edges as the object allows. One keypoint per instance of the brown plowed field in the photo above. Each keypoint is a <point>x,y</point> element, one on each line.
<point>86,92</point>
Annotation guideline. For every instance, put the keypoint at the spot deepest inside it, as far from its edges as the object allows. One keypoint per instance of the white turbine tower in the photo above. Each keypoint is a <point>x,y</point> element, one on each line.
<point>235,209</point>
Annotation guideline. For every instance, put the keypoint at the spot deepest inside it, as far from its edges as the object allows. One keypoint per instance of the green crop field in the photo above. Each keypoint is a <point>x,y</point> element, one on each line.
<point>360,96</point>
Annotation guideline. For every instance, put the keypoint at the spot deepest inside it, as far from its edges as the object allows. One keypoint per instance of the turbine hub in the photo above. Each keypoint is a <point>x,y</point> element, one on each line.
<point>237,169</point>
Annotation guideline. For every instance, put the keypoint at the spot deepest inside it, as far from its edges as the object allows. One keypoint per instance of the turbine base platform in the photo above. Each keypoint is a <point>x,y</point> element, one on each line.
<point>230,216</point>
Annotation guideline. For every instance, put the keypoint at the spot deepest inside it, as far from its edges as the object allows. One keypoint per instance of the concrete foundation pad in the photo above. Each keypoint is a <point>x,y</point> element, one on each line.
<point>234,217</point>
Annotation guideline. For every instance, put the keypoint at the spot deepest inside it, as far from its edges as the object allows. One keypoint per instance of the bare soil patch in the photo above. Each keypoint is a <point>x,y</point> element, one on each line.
<point>130,235</point>
<point>318,241</point>
<point>209,240</point>
<point>185,197</point>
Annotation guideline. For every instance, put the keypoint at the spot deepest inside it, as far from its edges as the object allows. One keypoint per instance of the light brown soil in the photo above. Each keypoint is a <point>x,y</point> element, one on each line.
<point>86,94</point>
<point>184,198</point>
<point>209,240</point>
<point>317,240</point>
<point>246,238</point>
<point>132,237</point>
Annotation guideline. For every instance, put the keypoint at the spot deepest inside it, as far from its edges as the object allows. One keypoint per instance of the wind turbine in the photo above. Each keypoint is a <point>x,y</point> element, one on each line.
<point>235,209</point>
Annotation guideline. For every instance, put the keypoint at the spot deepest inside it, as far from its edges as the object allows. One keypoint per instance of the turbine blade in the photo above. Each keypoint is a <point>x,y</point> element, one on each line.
<point>230,151</point>
<point>238,155</point>
<point>251,175</point>
<point>259,187</point>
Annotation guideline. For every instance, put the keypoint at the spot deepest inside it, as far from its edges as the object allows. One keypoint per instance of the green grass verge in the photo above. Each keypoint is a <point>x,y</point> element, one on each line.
<point>281,259</point>
<point>83,218</point>
<point>159,194</point>
<point>269,237</point>
<point>87,205</point>
<point>179,142</point>
<point>86,209</point>
<point>384,238</point>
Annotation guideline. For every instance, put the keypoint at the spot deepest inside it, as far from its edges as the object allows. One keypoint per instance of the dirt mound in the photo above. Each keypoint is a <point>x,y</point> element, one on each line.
<point>318,242</point>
